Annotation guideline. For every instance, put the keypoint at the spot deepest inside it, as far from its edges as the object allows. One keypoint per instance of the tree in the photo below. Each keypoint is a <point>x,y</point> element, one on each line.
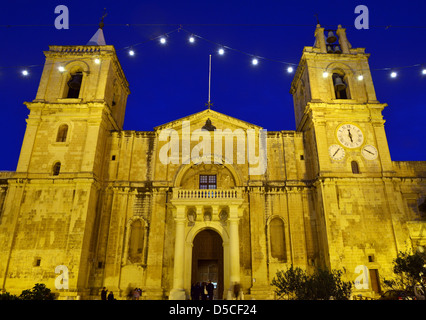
<point>322,284</point>
<point>410,270</point>
<point>38,292</point>
<point>290,283</point>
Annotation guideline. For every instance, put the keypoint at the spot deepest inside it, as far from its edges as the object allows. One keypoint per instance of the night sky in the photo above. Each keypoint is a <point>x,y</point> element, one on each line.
<point>170,81</point>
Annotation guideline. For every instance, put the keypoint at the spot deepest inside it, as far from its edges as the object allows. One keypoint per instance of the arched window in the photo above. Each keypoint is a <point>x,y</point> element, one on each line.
<point>277,238</point>
<point>62,133</point>
<point>355,167</point>
<point>74,84</point>
<point>340,84</point>
<point>136,241</point>
<point>56,168</point>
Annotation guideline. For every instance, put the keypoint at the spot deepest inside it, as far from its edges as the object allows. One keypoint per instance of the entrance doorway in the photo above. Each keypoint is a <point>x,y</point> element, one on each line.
<point>207,260</point>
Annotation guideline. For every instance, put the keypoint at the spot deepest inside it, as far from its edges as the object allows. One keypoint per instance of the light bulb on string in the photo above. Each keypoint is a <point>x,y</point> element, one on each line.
<point>254,61</point>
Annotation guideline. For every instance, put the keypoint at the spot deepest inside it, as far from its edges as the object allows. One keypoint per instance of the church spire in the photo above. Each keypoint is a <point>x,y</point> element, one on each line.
<point>98,38</point>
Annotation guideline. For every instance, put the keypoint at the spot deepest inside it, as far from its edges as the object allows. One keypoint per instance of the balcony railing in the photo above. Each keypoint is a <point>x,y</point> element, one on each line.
<point>207,194</point>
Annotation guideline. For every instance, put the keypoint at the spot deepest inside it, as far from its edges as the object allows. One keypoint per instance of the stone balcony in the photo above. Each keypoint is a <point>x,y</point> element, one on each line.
<point>206,196</point>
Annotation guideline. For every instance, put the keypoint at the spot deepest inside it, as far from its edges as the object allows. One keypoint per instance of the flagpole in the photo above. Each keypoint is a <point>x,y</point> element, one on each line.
<point>210,77</point>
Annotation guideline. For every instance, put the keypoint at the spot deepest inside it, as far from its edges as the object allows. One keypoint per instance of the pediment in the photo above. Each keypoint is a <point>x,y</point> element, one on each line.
<point>208,118</point>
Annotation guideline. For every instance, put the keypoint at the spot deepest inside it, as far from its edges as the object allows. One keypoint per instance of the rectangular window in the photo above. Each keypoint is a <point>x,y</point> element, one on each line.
<point>36,262</point>
<point>208,181</point>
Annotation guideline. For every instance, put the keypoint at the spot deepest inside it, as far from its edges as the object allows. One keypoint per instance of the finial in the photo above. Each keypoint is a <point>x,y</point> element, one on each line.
<point>209,104</point>
<point>101,24</point>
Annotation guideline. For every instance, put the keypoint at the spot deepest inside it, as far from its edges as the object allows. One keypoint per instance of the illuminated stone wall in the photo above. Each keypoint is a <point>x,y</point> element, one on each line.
<point>309,208</point>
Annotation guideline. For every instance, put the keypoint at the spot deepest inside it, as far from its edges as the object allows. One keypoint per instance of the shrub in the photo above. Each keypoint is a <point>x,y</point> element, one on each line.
<point>38,292</point>
<point>296,284</point>
<point>8,296</point>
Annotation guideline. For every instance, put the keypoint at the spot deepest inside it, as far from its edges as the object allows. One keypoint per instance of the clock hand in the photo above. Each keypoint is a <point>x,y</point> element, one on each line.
<point>350,135</point>
<point>336,152</point>
<point>369,151</point>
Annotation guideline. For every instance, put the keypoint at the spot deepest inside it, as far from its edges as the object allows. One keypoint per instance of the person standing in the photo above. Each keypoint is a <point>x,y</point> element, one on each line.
<point>195,292</point>
<point>210,288</point>
<point>203,291</point>
<point>135,294</point>
<point>104,293</point>
<point>237,289</point>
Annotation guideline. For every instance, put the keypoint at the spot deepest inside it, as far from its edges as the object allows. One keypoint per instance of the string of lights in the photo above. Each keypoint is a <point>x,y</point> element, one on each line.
<point>221,50</point>
<point>206,25</point>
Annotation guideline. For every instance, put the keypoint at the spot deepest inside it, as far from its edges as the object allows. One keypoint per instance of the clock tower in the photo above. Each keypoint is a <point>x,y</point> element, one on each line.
<point>347,157</point>
<point>336,107</point>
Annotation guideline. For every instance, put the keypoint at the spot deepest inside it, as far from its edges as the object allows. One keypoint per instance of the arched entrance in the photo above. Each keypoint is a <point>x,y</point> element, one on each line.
<point>207,260</point>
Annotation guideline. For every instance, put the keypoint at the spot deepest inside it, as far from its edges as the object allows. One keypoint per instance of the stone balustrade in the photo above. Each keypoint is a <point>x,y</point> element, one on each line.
<point>206,194</point>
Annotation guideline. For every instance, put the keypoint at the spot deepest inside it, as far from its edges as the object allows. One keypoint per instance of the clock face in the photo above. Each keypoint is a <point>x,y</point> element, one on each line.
<point>350,136</point>
<point>336,152</point>
<point>369,152</point>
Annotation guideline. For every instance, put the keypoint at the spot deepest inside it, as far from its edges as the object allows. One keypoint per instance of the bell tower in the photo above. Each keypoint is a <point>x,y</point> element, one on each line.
<point>336,107</point>
<point>57,187</point>
<point>81,97</point>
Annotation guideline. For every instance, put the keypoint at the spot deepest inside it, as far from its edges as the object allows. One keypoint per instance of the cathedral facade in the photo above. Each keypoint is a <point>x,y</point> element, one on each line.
<point>208,196</point>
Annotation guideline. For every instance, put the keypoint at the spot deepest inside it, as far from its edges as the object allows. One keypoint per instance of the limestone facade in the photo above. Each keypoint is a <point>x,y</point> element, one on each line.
<point>122,209</point>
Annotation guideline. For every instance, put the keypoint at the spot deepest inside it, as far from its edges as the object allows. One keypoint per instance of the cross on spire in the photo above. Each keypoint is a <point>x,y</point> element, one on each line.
<point>101,24</point>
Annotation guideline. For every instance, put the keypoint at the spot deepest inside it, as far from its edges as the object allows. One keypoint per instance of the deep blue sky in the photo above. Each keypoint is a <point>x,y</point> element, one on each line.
<point>170,82</point>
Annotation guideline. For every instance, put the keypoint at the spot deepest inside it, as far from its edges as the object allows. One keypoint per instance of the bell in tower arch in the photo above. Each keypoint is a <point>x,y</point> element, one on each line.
<point>74,85</point>
<point>331,37</point>
<point>75,81</point>
<point>339,84</point>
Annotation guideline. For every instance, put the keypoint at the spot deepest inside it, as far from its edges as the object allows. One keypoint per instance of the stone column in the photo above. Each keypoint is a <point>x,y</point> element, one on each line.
<point>114,245</point>
<point>154,255</point>
<point>234,248</point>
<point>260,287</point>
<point>178,291</point>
